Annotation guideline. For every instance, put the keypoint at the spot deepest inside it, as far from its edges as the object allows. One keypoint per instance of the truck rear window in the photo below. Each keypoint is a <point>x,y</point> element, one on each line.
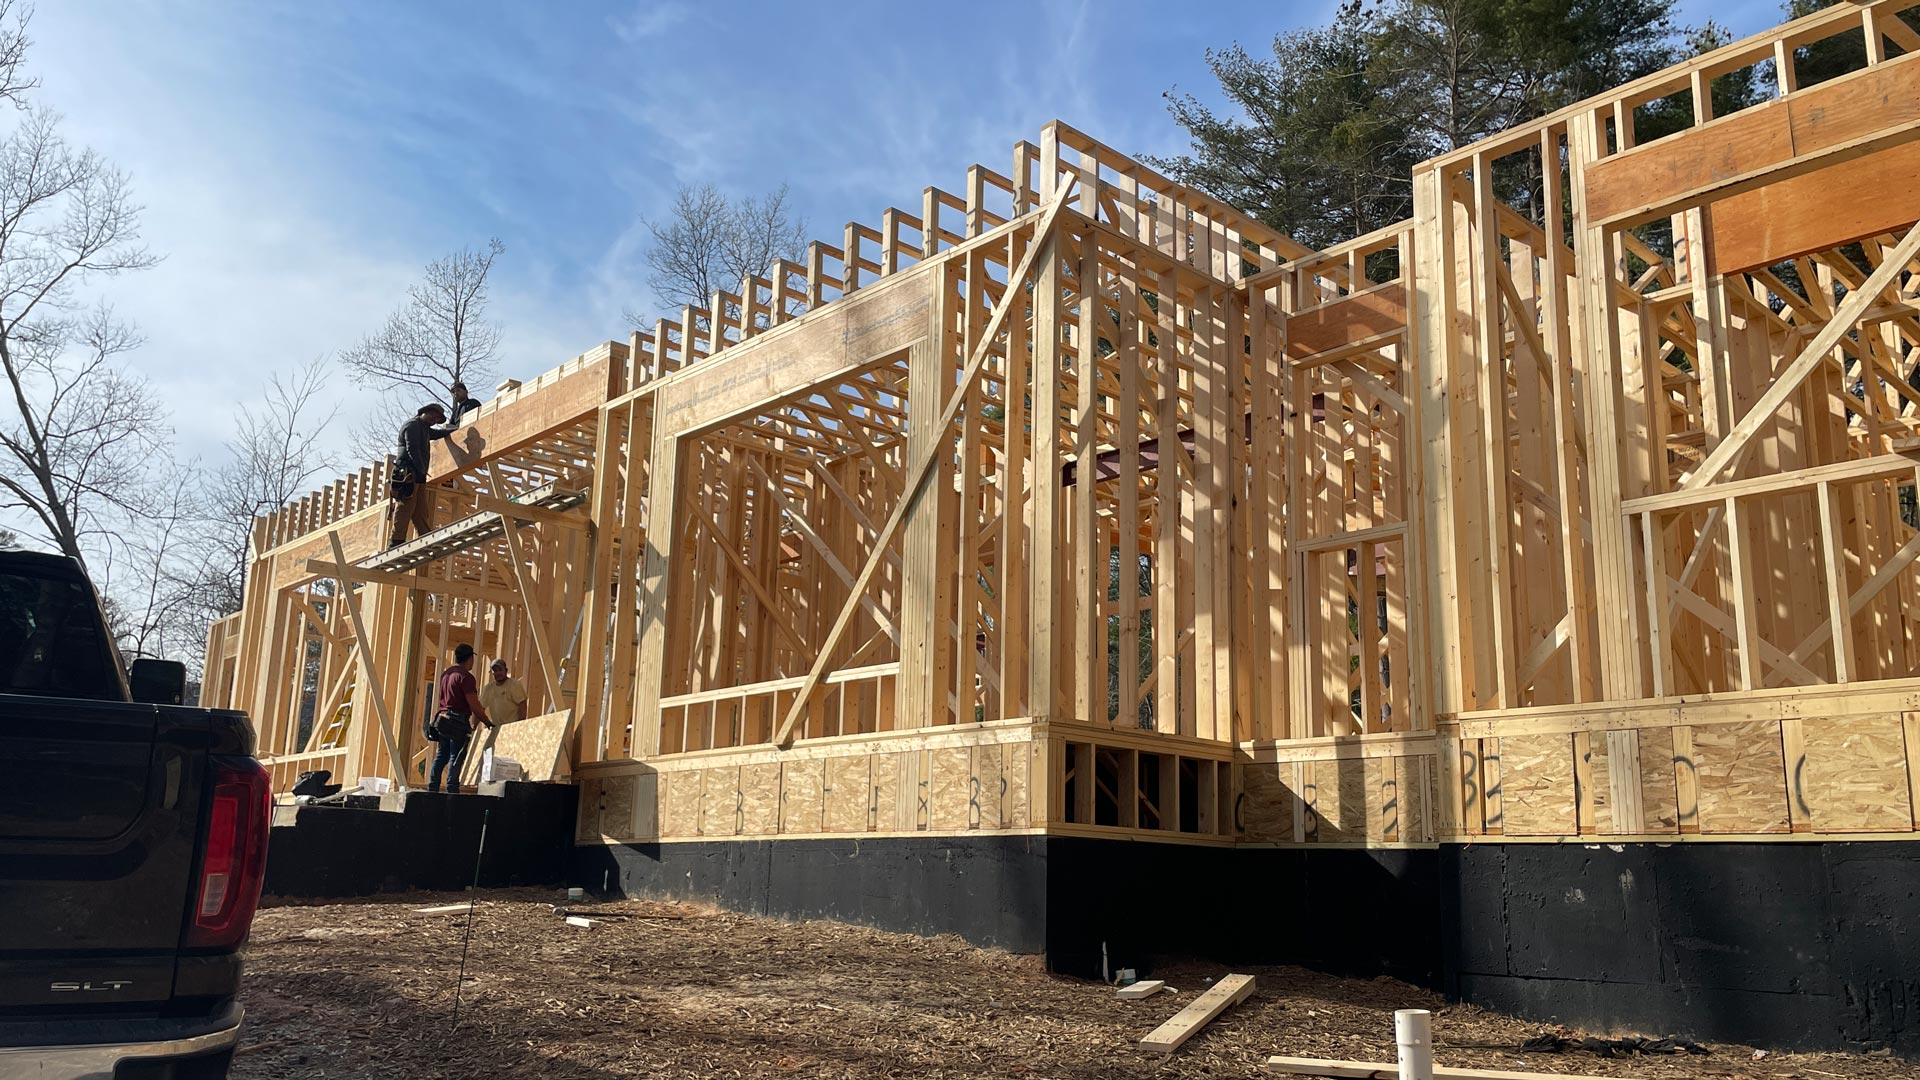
<point>51,640</point>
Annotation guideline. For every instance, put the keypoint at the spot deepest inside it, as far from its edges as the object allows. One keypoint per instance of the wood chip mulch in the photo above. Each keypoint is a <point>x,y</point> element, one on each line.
<point>365,989</point>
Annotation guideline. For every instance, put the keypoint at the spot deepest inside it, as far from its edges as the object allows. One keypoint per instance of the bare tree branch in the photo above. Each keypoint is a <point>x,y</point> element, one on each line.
<point>439,337</point>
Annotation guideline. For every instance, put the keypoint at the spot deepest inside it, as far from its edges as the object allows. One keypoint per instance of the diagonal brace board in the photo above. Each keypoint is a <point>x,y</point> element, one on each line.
<point>1042,242</point>
<point>1727,455</point>
<point>366,663</point>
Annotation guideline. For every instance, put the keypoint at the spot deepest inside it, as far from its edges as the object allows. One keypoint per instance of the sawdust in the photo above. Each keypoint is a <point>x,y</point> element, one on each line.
<point>364,990</point>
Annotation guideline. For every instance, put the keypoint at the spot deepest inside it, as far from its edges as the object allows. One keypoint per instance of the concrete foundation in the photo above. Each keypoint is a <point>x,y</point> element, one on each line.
<point>1788,945</point>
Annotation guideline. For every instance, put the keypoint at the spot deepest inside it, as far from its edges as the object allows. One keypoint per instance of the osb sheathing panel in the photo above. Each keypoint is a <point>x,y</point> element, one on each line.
<point>801,796</point>
<point>1741,777</point>
<point>1017,772</point>
<point>910,790</point>
<point>1347,797</point>
<point>848,798</point>
<point>1854,776</point>
<point>760,799</point>
<point>607,808</point>
<point>681,791</point>
<point>1413,792</point>
<point>883,804</point>
<point>1267,810</point>
<point>1654,772</point>
<point>720,801</point>
<point>988,787</point>
<point>1536,785</point>
<point>586,826</point>
<point>533,742</point>
<point>949,788</point>
<point>1659,797</point>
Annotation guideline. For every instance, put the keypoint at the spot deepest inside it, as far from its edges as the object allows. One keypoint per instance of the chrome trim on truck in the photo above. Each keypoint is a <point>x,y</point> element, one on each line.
<point>97,1062</point>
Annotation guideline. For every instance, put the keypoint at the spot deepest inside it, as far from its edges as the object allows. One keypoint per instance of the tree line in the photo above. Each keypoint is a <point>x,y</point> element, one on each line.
<point>1319,138</point>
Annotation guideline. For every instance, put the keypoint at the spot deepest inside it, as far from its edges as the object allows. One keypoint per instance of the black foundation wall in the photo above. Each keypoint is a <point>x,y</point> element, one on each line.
<point>989,889</point>
<point>1790,945</point>
<point>332,851</point>
<point>1337,910</point>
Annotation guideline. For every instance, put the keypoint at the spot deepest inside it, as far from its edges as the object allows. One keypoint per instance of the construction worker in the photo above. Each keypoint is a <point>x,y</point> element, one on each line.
<point>464,404</point>
<point>456,706</point>
<point>504,696</point>
<point>411,503</point>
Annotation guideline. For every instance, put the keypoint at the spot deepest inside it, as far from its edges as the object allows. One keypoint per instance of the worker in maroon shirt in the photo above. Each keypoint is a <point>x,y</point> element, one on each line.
<point>456,707</point>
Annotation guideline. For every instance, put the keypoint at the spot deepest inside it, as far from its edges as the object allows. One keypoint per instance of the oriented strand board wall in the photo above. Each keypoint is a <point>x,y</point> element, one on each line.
<point>865,787</point>
<point>1376,799</point>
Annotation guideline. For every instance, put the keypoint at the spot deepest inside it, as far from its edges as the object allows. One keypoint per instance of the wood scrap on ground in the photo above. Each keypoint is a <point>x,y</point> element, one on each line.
<point>1145,988</point>
<point>1225,994</point>
<point>444,909</point>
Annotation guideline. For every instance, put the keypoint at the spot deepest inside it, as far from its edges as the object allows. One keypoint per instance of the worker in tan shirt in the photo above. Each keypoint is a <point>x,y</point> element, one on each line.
<point>503,696</point>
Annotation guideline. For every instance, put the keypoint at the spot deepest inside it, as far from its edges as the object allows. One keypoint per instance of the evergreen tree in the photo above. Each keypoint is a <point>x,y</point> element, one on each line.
<point>1324,135</point>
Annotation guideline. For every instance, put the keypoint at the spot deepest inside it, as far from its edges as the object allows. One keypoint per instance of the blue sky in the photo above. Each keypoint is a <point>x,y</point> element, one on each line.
<point>299,161</point>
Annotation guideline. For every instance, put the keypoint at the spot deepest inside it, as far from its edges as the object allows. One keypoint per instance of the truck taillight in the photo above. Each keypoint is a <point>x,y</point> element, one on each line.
<point>235,863</point>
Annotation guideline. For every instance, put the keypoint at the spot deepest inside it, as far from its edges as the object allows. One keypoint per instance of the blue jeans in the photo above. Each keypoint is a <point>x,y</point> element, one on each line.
<point>452,754</point>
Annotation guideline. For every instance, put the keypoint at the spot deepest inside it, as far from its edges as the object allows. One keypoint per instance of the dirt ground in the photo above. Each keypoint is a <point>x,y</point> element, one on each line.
<point>365,989</point>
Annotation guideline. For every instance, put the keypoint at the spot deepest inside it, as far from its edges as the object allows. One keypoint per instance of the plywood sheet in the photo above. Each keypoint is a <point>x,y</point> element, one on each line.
<point>1348,794</point>
<point>801,795</point>
<point>533,742</point>
<point>989,788</point>
<point>720,801</point>
<point>607,807</point>
<point>1266,814</point>
<point>1659,798</point>
<point>1017,761</point>
<point>586,828</point>
<point>1536,785</point>
<point>949,787</point>
<point>1741,776</point>
<point>682,798</point>
<point>883,799</point>
<point>1854,777</point>
<point>760,798</point>
<point>913,793</point>
<point>1412,792</point>
<point>847,796</point>
<point>646,808</point>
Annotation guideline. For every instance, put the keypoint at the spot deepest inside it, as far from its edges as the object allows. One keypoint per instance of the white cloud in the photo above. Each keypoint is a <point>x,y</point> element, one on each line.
<point>647,20</point>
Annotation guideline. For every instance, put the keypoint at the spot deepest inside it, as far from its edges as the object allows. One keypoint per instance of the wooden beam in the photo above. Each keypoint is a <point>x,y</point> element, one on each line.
<point>1200,1012</point>
<point>917,478</point>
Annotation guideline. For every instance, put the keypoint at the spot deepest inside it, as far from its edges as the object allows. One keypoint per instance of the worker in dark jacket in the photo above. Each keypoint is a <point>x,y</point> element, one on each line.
<point>411,503</point>
<point>456,707</point>
<point>464,404</point>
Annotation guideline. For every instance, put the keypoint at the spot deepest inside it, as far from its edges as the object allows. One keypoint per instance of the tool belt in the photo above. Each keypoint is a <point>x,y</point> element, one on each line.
<point>401,484</point>
<point>448,726</point>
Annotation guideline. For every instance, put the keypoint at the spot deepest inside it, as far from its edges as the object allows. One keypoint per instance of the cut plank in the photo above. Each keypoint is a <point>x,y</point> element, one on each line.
<point>1363,1070</point>
<point>1225,994</point>
<point>582,922</point>
<point>445,909</point>
<point>1145,988</point>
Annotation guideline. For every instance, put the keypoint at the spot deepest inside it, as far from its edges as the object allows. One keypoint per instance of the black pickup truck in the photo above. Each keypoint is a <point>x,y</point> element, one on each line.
<point>133,840</point>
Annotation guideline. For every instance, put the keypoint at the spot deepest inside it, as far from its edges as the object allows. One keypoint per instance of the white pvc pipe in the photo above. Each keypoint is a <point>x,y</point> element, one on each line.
<point>1413,1032</point>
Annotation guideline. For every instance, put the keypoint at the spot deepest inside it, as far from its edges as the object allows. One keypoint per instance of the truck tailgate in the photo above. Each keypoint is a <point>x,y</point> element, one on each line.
<point>99,818</point>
